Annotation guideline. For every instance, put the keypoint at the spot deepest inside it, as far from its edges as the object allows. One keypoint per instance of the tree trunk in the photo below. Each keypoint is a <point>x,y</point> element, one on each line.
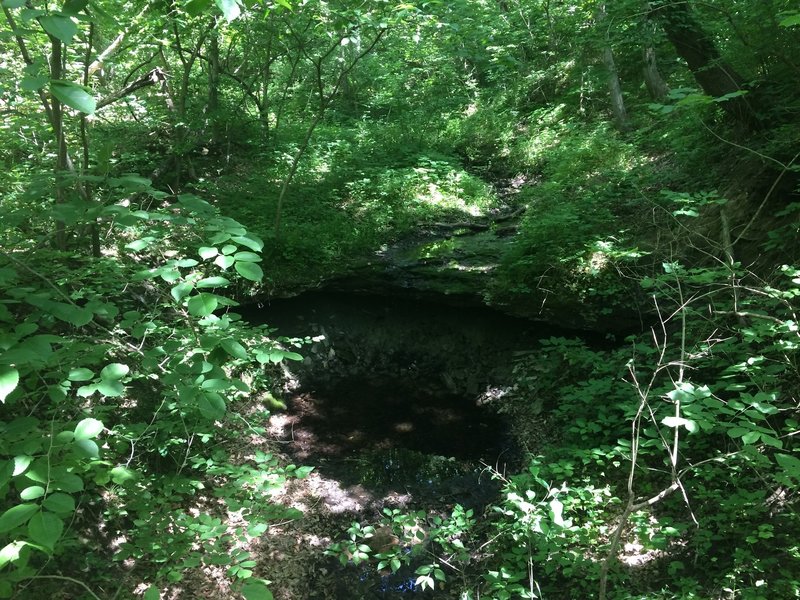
<point>653,80</point>
<point>212,109</point>
<point>621,120</point>
<point>715,76</point>
<point>56,58</point>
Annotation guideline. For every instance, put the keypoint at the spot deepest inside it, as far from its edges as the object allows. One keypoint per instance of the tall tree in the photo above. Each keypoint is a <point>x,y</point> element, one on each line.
<point>715,76</point>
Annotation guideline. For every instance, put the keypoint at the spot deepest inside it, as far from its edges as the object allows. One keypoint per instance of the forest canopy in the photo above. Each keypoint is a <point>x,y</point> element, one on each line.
<point>624,171</point>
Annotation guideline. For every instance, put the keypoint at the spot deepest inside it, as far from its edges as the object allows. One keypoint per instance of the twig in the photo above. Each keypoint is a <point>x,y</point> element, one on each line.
<point>71,580</point>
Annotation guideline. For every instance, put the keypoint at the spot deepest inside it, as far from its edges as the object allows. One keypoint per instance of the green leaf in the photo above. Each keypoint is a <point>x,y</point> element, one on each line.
<point>557,509</point>
<point>216,384</point>
<point>114,371</point>
<point>249,270</point>
<point>152,593</point>
<point>230,9</point>
<point>73,7</point>
<point>110,389</point>
<point>137,245</point>
<point>31,84</point>
<point>284,3</point>
<point>75,315</point>
<point>212,282</point>
<point>751,437</point>
<point>10,553</point>
<point>202,305</point>
<point>247,257</point>
<point>60,27</point>
<point>14,3</point>
<point>87,448</point>
<point>771,441</point>
<point>86,390</point>
<point>249,241</point>
<point>790,21</point>
<point>123,475</point>
<point>9,379</point>
<point>180,291</point>
<point>88,429</point>
<point>59,503</point>
<point>690,425</point>
<point>207,252</point>
<point>80,374</point>
<point>212,406</point>
<point>234,348</point>
<point>16,516</point>
<point>254,589</point>
<point>45,528</point>
<point>73,95</point>
<point>224,262</point>
<point>32,493</point>
<point>68,482</point>
<point>21,464</point>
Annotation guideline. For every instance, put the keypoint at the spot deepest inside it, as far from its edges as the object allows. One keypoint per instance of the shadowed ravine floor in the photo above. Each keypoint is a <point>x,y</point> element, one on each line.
<point>396,405</point>
<point>396,380</point>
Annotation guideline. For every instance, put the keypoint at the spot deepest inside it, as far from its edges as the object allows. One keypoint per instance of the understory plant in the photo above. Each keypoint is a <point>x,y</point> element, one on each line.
<point>120,378</point>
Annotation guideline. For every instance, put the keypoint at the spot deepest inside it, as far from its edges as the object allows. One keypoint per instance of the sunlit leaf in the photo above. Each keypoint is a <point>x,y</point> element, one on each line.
<point>21,464</point>
<point>180,291</point>
<point>247,257</point>
<point>250,241</point>
<point>32,493</point>
<point>790,21</point>
<point>207,252</point>
<point>9,379</point>
<point>114,371</point>
<point>88,429</point>
<point>122,475</point>
<point>110,389</point>
<point>211,405</point>
<point>202,305</point>
<point>224,262</point>
<point>250,271</point>
<point>87,448</point>
<point>73,95</point>
<point>230,9</point>
<point>10,553</point>
<point>212,282</point>
<point>80,374</point>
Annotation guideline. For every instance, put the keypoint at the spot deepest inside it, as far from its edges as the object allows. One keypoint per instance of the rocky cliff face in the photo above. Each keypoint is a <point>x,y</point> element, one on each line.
<point>462,268</point>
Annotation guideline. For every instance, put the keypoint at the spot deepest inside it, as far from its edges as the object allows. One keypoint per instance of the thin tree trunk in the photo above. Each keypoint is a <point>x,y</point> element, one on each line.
<point>656,85</point>
<point>621,120</point>
<point>56,70</point>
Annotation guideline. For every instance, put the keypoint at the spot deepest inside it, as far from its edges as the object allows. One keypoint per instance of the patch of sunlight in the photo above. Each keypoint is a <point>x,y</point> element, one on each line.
<point>475,268</point>
<point>322,167</point>
<point>435,195</point>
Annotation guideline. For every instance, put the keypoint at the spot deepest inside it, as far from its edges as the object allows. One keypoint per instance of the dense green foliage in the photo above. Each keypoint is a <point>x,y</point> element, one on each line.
<point>167,161</point>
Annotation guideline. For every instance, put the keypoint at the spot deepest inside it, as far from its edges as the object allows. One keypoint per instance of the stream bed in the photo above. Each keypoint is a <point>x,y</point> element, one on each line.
<point>395,404</point>
<point>396,392</point>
